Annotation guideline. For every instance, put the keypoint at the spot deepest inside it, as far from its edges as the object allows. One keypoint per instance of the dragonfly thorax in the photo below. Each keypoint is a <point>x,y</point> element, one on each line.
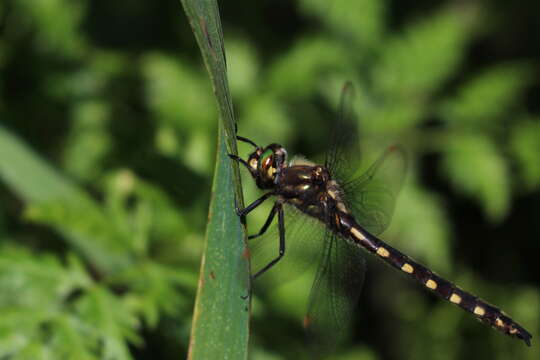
<point>311,189</point>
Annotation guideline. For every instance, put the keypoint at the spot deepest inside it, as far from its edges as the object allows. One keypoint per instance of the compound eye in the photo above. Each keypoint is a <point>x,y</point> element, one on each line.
<point>266,160</point>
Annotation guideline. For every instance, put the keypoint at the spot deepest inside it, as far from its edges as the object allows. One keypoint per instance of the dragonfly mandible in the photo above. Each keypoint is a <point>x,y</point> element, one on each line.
<point>350,214</point>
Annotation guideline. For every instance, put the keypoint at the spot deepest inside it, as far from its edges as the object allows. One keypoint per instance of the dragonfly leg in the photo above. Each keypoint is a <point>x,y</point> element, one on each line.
<point>240,160</point>
<point>266,223</point>
<point>281,225</point>
<point>253,205</point>
<point>246,140</point>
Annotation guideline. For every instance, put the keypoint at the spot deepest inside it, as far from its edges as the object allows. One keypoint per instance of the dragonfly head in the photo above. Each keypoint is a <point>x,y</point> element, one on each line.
<point>265,164</point>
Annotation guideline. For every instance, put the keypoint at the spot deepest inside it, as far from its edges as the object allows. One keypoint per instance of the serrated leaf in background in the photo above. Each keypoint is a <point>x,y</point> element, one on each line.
<point>54,200</point>
<point>110,322</point>
<point>265,119</point>
<point>243,68</point>
<point>391,116</point>
<point>89,140</point>
<point>476,168</point>
<point>177,93</point>
<point>33,292</point>
<point>296,73</point>
<point>420,59</point>
<point>428,239</point>
<point>361,21</point>
<point>57,21</point>
<point>525,146</point>
<point>487,97</point>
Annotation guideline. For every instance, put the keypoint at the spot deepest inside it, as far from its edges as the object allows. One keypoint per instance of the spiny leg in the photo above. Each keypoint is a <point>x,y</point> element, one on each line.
<point>281,226</point>
<point>240,160</point>
<point>248,209</point>
<point>256,203</point>
<point>241,138</point>
<point>266,223</point>
<point>253,205</point>
<point>484,311</point>
<point>246,140</point>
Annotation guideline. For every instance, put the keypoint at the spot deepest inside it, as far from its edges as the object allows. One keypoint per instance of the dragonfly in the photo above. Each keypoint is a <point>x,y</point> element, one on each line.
<point>332,217</point>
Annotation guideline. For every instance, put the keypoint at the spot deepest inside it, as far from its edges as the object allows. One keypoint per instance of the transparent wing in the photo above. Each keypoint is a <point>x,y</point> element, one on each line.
<point>334,294</point>
<point>343,155</point>
<point>303,245</point>
<point>372,196</point>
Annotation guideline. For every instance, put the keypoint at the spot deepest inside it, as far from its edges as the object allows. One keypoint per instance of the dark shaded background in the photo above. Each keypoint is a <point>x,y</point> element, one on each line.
<point>114,96</point>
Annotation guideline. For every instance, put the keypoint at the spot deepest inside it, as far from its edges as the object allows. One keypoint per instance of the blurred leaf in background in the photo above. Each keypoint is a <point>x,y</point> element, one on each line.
<point>107,143</point>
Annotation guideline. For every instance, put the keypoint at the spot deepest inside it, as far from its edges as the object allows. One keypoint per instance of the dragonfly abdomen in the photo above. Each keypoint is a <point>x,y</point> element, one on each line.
<point>442,287</point>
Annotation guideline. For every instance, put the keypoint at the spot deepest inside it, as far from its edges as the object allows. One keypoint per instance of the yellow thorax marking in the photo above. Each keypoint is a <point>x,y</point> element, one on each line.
<point>341,207</point>
<point>332,194</point>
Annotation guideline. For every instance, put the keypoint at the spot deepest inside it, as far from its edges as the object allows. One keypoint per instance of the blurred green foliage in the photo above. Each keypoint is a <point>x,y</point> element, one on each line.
<point>107,142</point>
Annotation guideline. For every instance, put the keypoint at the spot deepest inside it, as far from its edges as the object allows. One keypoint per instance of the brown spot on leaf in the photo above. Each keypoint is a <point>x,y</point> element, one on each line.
<point>204,29</point>
<point>246,253</point>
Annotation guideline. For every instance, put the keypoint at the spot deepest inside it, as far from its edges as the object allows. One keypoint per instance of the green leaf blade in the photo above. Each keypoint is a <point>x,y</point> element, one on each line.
<point>221,317</point>
<point>220,328</point>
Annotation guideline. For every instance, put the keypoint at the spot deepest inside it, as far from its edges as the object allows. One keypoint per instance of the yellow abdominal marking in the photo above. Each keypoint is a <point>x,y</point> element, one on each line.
<point>383,252</point>
<point>455,298</point>
<point>407,268</point>
<point>305,187</point>
<point>357,234</point>
<point>271,171</point>
<point>431,284</point>
<point>499,322</point>
<point>478,310</point>
<point>513,331</point>
<point>253,163</point>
